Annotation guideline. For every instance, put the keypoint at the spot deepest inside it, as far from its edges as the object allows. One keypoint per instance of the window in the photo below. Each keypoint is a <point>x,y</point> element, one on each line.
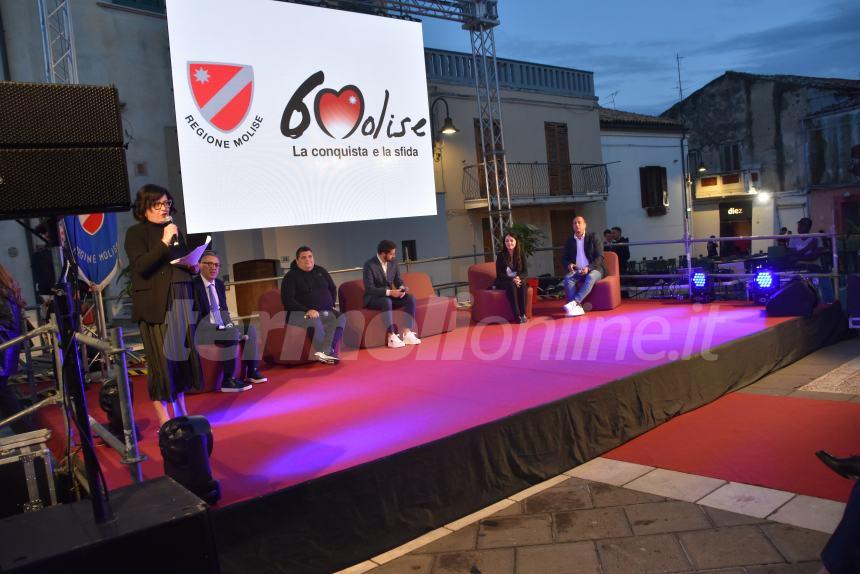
<point>654,189</point>
<point>730,157</point>
<point>558,159</point>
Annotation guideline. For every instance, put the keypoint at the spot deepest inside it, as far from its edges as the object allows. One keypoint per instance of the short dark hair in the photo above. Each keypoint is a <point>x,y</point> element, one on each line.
<point>385,246</point>
<point>210,253</point>
<point>618,228</point>
<point>302,249</point>
<point>805,221</point>
<point>605,231</point>
<point>146,197</point>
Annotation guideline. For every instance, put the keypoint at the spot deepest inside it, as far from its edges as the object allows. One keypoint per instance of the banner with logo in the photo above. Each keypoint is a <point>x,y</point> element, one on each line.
<point>95,243</point>
<point>292,115</point>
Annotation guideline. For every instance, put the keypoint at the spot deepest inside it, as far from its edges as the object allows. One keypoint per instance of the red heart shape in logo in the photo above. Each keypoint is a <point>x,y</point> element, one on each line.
<point>338,113</point>
<point>92,222</point>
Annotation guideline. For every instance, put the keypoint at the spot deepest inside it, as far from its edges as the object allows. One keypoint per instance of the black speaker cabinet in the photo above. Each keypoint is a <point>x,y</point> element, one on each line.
<point>159,527</point>
<point>61,150</point>
<point>795,299</point>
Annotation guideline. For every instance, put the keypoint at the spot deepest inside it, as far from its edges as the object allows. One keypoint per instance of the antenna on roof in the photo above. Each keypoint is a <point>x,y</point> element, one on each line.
<point>612,98</point>
<point>678,59</point>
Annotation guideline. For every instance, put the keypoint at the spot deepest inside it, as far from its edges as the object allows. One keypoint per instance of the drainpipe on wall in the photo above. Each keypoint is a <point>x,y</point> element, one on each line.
<point>4,54</point>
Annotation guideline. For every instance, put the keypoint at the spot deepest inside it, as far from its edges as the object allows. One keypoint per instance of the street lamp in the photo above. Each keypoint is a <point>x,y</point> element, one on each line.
<point>448,127</point>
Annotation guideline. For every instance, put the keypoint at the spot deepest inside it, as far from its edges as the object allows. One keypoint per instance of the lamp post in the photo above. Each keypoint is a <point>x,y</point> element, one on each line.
<point>448,127</point>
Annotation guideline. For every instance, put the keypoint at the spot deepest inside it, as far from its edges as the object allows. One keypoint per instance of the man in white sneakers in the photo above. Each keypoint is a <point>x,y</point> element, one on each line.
<point>385,291</point>
<point>583,259</point>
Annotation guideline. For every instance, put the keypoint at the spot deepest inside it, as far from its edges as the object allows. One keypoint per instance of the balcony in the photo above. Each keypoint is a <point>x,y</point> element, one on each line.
<point>540,184</point>
<point>458,68</point>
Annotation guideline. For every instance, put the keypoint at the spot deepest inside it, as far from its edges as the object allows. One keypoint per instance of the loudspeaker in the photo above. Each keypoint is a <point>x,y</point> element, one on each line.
<point>797,298</point>
<point>158,527</point>
<point>61,150</point>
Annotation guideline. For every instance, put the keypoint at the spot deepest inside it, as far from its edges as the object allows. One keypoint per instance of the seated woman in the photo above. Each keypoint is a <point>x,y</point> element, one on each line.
<point>510,276</point>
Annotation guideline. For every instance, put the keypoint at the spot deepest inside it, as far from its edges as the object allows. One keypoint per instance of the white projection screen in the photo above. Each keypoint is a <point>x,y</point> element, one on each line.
<point>295,115</point>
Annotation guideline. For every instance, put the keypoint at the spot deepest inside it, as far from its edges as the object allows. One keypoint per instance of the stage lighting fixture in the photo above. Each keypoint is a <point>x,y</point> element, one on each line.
<point>700,286</point>
<point>764,284</point>
<point>186,444</point>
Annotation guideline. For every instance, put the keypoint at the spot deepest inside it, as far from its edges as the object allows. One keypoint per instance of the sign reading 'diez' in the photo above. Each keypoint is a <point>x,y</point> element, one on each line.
<point>295,115</point>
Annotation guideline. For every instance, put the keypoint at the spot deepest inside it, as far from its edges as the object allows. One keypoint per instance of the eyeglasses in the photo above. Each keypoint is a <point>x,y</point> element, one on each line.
<point>210,263</point>
<point>162,204</point>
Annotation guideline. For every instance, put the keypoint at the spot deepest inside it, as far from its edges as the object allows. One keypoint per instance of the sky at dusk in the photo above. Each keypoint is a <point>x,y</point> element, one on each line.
<point>630,45</point>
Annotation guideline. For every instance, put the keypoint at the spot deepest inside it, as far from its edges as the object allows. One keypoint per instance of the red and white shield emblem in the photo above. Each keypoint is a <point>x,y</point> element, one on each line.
<point>222,92</point>
<point>92,222</point>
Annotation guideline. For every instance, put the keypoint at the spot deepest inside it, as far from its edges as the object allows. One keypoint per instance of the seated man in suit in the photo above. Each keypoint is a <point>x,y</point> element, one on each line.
<point>583,259</point>
<point>214,327</point>
<point>308,294</point>
<point>385,291</point>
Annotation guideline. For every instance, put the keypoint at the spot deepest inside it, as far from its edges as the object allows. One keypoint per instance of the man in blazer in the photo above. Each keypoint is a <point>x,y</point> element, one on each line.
<point>385,291</point>
<point>215,327</point>
<point>583,259</point>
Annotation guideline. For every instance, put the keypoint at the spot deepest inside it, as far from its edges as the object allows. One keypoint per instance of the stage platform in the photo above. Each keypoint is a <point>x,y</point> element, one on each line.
<point>325,466</point>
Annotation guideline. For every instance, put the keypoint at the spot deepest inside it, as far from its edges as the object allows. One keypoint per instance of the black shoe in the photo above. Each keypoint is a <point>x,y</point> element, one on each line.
<point>847,467</point>
<point>524,319</point>
<point>256,377</point>
<point>232,385</point>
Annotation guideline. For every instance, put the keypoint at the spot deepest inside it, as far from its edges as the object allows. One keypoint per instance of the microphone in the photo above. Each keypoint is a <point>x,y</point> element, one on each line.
<point>175,241</point>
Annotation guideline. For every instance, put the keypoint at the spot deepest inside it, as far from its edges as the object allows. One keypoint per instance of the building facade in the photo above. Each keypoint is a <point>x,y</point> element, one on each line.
<point>643,157</point>
<point>749,133</point>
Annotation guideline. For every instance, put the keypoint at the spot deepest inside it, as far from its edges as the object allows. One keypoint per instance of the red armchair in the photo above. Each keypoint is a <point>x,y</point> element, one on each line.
<point>487,302</point>
<point>606,293</point>
<point>282,344</point>
<point>365,327</point>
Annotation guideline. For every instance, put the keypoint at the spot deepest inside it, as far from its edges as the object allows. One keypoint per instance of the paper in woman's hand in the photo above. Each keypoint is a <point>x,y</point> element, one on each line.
<point>192,258</point>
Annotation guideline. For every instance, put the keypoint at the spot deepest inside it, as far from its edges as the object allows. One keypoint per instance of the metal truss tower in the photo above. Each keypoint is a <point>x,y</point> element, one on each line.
<point>479,17</point>
<point>55,18</point>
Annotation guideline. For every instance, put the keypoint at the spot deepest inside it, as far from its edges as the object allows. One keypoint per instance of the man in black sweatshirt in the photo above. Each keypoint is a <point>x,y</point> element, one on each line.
<point>308,294</point>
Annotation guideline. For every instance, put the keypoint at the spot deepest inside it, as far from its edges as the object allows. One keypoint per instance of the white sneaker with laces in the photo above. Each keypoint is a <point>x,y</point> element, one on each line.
<point>394,341</point>
<point>574,309</point>
<point>411,338</point>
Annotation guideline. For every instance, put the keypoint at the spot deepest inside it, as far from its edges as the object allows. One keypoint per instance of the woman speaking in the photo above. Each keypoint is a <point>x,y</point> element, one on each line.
<point>162,301</point>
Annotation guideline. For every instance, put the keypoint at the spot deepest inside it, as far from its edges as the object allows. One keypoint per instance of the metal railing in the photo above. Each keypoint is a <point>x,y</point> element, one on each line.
<point>537,182</point>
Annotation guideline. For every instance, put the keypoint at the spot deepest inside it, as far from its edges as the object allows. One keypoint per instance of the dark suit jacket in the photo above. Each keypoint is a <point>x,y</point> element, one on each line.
<point>593,251</point>
<point>151,272</point>
<point>376,282</point>
<point>201,300</point>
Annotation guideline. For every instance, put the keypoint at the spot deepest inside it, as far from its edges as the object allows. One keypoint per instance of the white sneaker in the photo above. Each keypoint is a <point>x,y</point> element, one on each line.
<point>574,309</point>
<point>411,339</point>
<point>394,341</point>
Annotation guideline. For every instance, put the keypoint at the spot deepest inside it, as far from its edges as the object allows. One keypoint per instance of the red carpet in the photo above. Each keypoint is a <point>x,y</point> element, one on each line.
<point>755,439</point>
<point>310,421</point>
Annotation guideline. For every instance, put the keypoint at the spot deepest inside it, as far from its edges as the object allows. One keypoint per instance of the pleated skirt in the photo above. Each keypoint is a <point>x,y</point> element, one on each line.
<point>172,359</point>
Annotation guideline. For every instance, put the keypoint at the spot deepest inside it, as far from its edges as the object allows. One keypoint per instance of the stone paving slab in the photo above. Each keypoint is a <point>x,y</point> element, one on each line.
<point>730,546</point>
<point>579,557</point>
<point>515,531</point>
<point>591,524</point>
<point>669,516</point>
<point>645,554</point>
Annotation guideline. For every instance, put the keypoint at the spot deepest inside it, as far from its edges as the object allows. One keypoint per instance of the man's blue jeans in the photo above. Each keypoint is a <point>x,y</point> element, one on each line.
<point>586,283</point>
